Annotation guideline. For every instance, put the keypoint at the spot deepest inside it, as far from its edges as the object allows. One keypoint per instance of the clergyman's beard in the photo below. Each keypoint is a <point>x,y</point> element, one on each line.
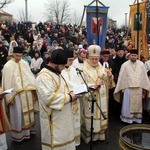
<point>133,60</point>
<point>57,69</point>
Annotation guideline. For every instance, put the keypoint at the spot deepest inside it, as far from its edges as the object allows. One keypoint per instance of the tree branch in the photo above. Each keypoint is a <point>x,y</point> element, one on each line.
<point>5,2</point>
<point>58,10</point>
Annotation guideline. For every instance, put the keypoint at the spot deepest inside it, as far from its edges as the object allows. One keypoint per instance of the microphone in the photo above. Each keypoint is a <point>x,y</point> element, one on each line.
<point>77,69</point>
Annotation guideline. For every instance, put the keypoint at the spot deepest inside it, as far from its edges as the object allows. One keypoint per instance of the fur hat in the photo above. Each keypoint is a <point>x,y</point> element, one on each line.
<point>119,47</point>
<point>103,52</point>
<point>59,56</point>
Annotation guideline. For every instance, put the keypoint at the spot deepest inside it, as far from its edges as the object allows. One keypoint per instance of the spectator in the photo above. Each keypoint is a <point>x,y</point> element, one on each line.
<point>47,39</point>
<point>7,34</point>
<point>3,55</point>
<point>26,57</point>
<point>13,44</point>
<point>36,63</point>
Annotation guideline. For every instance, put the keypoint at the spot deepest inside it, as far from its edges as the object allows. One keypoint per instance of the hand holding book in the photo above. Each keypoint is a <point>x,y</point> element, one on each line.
<point>7,92</point>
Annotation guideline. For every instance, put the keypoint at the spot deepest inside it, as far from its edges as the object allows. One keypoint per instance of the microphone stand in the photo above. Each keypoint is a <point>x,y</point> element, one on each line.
<point>92,110</point>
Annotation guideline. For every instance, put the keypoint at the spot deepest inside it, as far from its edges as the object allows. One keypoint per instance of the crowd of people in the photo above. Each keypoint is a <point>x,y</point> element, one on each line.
<point>43,64</point>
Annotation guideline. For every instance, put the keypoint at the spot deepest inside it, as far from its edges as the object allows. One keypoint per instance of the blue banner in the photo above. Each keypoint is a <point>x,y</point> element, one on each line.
<point>96,32</point>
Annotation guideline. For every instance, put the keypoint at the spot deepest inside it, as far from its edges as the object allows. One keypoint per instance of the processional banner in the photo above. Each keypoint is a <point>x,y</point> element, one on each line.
<point>138,24</point>
<point>96,25</point>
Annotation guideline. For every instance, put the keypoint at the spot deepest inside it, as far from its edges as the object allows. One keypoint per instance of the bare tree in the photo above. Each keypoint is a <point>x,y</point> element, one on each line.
<point>21,15</point>
<point>58,11</point>
<point>76,17</point>
<point>4,3</point>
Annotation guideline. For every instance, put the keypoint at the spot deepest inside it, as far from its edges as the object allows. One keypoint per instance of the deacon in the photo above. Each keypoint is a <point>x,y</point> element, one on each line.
<point>17,75</point>
<point>55,105</point>
<point>96,75</point>
<point>131,81</point>
<point>72,79</point>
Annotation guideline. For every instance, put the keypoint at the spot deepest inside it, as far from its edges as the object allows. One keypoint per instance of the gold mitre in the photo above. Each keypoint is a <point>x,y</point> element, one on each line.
<point>94,50</point>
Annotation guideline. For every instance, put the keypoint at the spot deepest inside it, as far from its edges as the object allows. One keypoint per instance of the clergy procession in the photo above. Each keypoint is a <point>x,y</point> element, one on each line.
<point>73,82</point>
<point>65,117</point>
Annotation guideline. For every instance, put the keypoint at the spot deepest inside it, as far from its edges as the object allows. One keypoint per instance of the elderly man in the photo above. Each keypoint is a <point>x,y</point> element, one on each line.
<point>132,80</point>
<point>96,74</point>
<point>105,59</point>
<point>107,62</point>
<point>55,104</point>
<point>17,75</point>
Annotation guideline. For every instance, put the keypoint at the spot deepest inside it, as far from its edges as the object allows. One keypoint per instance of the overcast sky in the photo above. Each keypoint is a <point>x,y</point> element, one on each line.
<point>36,8</point>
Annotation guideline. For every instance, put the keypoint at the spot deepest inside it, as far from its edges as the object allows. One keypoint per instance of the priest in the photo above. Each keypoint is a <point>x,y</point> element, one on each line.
<point>55,105</point>
<point>17,75</point>
<point>132,81</point>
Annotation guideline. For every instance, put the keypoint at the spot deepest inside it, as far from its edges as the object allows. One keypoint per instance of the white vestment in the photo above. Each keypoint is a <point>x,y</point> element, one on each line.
<point>132,79</point>
<point>3,143</point>
<point>57,128</point>
<point>76,64</point>
<point>96,76</point>
<point>126,116</point>
<point>146,103</point>
<point>17,75</point>
<point>72,79</point>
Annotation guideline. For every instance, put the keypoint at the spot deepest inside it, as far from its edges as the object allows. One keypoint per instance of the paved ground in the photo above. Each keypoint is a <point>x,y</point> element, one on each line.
<point>110,144</point>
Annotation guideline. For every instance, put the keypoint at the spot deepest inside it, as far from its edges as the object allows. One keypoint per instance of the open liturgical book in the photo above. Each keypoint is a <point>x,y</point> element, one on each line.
<point>81,89</point>
<point>7,91</point>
